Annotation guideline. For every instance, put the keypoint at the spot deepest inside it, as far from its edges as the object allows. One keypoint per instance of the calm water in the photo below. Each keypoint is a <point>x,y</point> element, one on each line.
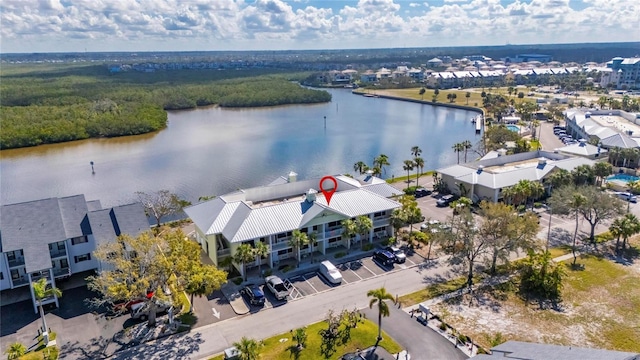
<point>213,151</point>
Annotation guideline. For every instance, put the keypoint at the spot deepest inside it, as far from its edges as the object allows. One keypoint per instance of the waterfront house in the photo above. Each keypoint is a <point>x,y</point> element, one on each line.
<point>54,238</point>
<point>269,214</point>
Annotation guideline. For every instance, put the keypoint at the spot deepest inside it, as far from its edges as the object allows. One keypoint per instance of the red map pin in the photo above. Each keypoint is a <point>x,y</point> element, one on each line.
<point>328,193</point>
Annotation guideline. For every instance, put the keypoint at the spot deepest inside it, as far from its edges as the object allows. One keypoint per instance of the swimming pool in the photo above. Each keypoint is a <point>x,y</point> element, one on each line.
<point>623,177</point>
<point>513,128</point>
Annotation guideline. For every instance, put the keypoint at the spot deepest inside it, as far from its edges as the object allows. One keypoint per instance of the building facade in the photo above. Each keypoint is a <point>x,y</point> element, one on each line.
<point>55,238</point>
<point>269,214</point>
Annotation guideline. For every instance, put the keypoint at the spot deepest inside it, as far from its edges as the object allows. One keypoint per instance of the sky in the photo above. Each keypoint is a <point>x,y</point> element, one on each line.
<point>203,25</point>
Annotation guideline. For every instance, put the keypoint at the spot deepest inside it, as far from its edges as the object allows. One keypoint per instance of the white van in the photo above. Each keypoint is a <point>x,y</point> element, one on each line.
<point>330,272</point>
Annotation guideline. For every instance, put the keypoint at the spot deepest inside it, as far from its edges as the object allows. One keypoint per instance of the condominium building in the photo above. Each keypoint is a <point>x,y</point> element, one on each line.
<point>54,238</point>
<point>622,73</point>
<point>269,214</point>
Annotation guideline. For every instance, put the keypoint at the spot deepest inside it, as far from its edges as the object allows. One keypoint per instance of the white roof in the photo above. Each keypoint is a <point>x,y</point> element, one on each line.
<point>239,220</point>
<point>582,149</point>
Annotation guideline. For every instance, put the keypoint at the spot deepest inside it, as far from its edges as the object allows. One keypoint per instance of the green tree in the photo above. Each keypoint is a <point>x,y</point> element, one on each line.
<point>421,92</point>
<point>360,167</point>
<point>378,296</point>
<point>541,277</point>
<point>160,204</point>
<point>467,95</point>
<point>583,175</point>
<point>363,225</point>
<point>408,166</point>
<point>568,200</point>
<point>260,249</point>
<point>244,254</point>
<point>506,231</point>
<point>601,170</point>
<point>41,291</point>
<point>466,145</point>
<point>458,148</point>
<point>134,268</point>
<point>15,351</point>
<point>300,337</point>
<point>248,349</point>
<point>624,228</point>
<point>298,240</point>
<point>416,151</point>
<point>419,163</point>
<point>436,92</point>
<point>381,161</point>
<point>202,280</point>
<point>559,178</point>
<point>349,229</point>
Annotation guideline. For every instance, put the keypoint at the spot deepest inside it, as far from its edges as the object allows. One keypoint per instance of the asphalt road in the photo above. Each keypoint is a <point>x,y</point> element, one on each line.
<point>213,339</point>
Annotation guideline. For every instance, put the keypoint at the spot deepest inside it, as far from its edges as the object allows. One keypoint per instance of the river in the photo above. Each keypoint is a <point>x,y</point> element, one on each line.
<point>212,151</point>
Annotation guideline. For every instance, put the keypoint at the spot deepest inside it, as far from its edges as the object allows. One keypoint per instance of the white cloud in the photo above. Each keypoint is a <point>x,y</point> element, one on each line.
<point>102,25</point>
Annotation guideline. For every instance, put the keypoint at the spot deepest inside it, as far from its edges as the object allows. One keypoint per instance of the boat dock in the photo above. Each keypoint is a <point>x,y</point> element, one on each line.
<point>479,121</point>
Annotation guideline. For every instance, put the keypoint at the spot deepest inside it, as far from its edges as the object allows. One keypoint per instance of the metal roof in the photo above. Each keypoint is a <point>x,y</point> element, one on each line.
<point>582,149</point>
<point>384,190</point>
<point>533,351</point>
<point>619,140</point>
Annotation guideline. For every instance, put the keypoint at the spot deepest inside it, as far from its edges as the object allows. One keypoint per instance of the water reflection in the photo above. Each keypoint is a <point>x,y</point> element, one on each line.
<point>212,151</point>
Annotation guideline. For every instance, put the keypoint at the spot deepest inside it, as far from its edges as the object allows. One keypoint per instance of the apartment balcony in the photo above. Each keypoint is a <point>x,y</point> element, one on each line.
<point>61,272</point>
<point>21,281</point>
<point>280,245</point>
<point>222,253</point>
<point>381,221</point>
<point>58,253</point>
<point>16,262</point>
<point>333,233</point>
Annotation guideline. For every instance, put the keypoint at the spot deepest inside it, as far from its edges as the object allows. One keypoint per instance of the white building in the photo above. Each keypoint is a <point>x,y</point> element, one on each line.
<point>270,213</point>
<point>55,237</point>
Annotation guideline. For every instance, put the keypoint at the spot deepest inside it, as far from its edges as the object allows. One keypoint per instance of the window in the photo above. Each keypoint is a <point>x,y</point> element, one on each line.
<point>379,214</point>
<point>285,251</point>
<point>335,239</point>
<point>333,224</point>
<point>1,275</point>
<point>15,274</point>
<point>61,245</point>
<point>315,227</point>
<point>64,263</point>
<point>79,240</point>
<point>11,255</point>
<point>382,228</point>
<point>81,258</point>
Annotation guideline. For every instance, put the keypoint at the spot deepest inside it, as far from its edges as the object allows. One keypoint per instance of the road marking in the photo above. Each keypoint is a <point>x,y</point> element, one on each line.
<point>364,266</point>
<point>216,313</point>
<point>314,289</point>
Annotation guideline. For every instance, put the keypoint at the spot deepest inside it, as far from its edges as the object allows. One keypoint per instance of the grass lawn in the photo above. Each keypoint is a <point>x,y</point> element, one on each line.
<point>413,177</point>
<point>600,308</point>
<point>281,346</point>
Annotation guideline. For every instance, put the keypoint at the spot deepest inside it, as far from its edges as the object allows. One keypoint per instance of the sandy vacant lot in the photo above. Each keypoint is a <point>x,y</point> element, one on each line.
<point>600,308</point>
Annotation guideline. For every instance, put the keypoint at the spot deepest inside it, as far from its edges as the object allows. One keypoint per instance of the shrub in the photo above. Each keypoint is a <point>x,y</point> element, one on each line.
<point>267,272</point>
<point>237,281</point>
<point>521,208</point>
<point>367,247</point>
<point>537,205</point>
<point>340,254</point>
<point>410,190</point>
<point>443,326</point>
<point>463,338</point>
<point>287,268</point>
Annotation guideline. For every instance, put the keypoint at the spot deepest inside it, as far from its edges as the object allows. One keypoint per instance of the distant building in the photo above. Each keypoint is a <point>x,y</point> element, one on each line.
<point>531,351</point>
<point>54,238</point>
<point>622,73</point>
<point>527,58</point>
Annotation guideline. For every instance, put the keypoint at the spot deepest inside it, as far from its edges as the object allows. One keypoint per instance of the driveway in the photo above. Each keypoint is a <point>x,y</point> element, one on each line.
<point>420,341</point>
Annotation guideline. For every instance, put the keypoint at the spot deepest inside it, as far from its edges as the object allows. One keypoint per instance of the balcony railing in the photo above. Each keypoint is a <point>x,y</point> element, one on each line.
<point>280,245</point>
<point>16,262</point>
<point>223,253</point>
<point>23,280</point>
<point>333,233</point>
<point>55,253</point>
<point>61,272</point>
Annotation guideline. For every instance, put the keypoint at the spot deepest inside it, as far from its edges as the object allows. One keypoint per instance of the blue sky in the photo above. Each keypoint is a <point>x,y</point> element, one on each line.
<point>177,25</point>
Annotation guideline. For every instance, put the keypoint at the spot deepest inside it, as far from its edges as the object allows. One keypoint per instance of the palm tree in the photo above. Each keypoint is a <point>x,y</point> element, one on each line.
<point>408,166</point>
<point>560,177</point>
<point>15,351</point>
<point>380,161</point>
<point>416,151</point>
<point>360,167</point>
<point>313,242</point>
<point>41,291</point>
<point>466,145</point>
<point>349,229</point>
<point>363,225</point>
<point>458,148</point>
<point>536,190</point>
<point>297,241</point>
<point>261,249</point>
<point>248,349</point>
<point>467,95</point>
<point>624,227</point>
<point>378,297</point>
<point>419,162</point>
<point>244,254</point>
<point>421,92</point>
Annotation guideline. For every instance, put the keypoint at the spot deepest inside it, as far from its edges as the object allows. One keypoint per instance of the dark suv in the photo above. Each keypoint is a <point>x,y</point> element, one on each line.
<point>384,257</point>
<point>420,192</point>
<point>253,294</point>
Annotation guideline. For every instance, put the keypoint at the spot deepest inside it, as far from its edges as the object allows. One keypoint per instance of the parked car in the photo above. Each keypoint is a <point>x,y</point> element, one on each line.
<point>401,257</point>
<point>352,356</point>
<point>444,201</point>
<point>141,310</point>
<point>124,305</point>
<point>277,287</point>
<point>626,196</point>
<point>253,294</point>
<point>330,272</point>
<point>384,257</point>
<point>420,192</point>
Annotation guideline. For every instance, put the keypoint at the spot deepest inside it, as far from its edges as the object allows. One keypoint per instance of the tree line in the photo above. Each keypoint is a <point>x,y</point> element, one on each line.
<point>50,105</point>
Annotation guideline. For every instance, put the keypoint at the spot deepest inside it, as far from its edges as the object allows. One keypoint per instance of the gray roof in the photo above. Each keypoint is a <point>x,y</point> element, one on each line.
<point>619,140</point>
<point>533,351</point>
<point>31,226</point>
<point>384,190</point>
<point>582,149</point>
